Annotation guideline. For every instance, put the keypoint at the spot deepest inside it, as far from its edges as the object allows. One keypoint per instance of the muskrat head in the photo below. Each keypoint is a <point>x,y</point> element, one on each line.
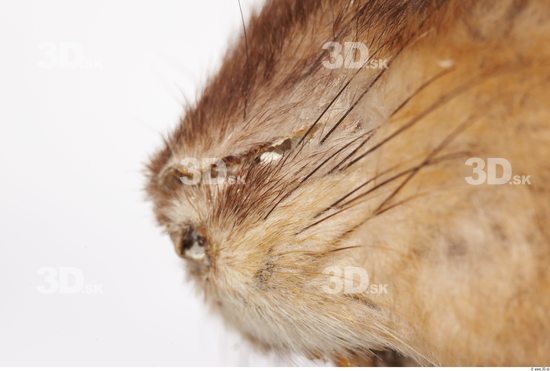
<point>257,227</point>
<point>265,181</point>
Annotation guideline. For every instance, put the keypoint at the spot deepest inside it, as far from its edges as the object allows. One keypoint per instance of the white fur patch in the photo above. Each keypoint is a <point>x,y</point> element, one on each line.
<point>268,157</point>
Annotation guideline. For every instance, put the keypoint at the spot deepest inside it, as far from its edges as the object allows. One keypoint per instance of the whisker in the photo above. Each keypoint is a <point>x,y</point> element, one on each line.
<point>354,104</point>
<point>410,42</point>
<point>355,190</point>
<point>385,182</point>
<point>370,133</point>
<point>439,103</point>
<point>320,253</point>
<point>247,57</point>
<point>401,105</point>
<point>465,124</point>
<point>419,89</point>
<point>310,129</point>
<point>311,174</point>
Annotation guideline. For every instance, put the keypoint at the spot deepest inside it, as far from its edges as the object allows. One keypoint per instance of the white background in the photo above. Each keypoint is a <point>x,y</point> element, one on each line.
<point>86,89</point>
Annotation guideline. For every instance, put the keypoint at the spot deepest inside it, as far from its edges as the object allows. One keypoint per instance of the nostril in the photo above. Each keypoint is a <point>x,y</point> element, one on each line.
<point>193,245</point>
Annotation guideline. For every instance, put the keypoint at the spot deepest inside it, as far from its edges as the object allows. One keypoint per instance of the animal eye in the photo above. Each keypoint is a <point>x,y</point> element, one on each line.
<point>193,245</point>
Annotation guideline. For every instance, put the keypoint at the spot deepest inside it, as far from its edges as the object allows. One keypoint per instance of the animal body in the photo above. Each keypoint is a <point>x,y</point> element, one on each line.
<point>373,176</point>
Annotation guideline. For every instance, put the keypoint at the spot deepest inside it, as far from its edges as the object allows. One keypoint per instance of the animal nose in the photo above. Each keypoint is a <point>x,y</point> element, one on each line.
<point>193,245</point>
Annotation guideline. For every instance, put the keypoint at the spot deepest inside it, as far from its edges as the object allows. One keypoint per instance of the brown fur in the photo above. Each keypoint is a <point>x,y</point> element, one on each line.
<point>372,175</point>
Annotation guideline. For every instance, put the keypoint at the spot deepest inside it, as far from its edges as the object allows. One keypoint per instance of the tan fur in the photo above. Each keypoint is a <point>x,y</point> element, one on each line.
<point>466,266</point>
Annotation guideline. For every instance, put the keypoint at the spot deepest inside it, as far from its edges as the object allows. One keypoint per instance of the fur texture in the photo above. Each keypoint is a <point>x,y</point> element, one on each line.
<point>367,169</point>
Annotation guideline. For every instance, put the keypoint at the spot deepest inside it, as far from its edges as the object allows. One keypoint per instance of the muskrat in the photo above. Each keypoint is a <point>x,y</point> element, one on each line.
<point>367,177</point>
